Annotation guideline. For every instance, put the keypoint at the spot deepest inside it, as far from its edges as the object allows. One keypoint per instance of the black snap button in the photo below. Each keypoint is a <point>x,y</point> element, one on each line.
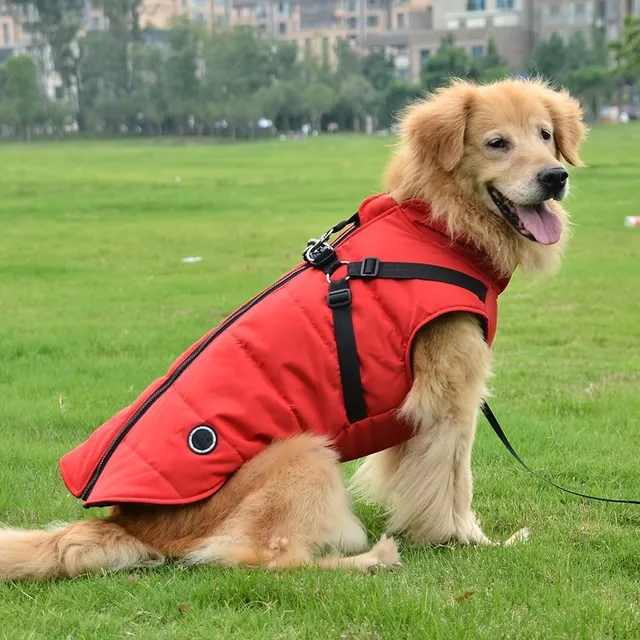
<point>202,440</point>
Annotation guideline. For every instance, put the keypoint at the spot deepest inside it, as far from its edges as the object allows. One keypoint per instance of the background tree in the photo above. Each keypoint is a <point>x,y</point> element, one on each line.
<point>448,62</point>
<point>379,69</point>
<point>221,83</point>
<point>548,58</point>
<point>349,62</point>
<point>358,93</point>
<point>626,55</point>
<point>397,96</point>
<point>184,68</point>
<point>318,99</point>
<point>592,84</point>
<point>21,93</point>
<point>492,66</point>
<point>54,26</point>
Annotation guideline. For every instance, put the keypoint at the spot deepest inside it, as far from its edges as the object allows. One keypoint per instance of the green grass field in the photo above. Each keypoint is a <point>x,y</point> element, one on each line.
<point>95,303</point>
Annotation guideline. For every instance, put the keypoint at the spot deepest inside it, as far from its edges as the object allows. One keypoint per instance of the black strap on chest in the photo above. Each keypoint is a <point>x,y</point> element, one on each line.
<point>340,299</point>
<point>373,268</point>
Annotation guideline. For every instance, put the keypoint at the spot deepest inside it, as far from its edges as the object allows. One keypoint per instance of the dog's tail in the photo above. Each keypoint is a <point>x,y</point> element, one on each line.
<point>82,547</point>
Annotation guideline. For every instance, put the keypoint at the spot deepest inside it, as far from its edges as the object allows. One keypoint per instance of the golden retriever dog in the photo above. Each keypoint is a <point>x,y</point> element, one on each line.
<point>488,159</point>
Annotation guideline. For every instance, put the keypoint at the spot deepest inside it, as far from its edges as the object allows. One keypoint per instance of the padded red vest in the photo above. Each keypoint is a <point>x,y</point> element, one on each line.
<point>271,370</point>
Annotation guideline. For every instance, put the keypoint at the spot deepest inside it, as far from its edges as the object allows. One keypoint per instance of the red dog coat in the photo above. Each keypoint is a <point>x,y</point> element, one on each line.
<point>327,349</point>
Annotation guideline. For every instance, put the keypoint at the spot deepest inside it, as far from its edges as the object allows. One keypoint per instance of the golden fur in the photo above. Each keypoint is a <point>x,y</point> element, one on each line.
<point>288,505</point>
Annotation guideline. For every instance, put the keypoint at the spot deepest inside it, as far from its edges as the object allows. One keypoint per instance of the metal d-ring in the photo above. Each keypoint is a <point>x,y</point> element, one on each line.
<point>338,264</point>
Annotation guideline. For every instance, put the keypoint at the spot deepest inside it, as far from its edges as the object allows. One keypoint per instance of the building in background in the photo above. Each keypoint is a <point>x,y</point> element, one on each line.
<point>12,39</point>
<point>410,30</point>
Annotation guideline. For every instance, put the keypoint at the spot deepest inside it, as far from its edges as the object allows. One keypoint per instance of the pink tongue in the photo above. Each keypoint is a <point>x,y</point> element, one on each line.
<point>540,222</point>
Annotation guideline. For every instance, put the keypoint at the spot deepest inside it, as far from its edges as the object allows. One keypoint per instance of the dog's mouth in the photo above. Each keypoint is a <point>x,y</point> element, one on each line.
<point>536,222</point>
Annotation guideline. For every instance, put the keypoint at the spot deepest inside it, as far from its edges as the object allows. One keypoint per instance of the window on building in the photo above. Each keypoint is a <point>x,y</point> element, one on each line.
<point>282,28</point>
<point>429,18</point>
<point>352,23</point>
<point>580,10</point>
<point>184,4</point>
<point>350,6</point>
<point>261,11</point>
<point>372,21</point>
<point>424,54</point>
<point>199,17</point>
<point>283,8</point>
<point>505,4</point>
<point>199,4</point>
<point>630,6</point>
<point>400,21</point>
<point>477,50</point>
<point>475,5</point>
<point>6,34</point>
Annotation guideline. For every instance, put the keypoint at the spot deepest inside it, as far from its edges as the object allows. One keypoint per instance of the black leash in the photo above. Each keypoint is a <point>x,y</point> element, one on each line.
<point>495,425</point>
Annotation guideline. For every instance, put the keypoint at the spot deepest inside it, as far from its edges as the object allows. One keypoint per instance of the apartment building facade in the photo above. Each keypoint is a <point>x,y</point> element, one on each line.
<point>411,30</point>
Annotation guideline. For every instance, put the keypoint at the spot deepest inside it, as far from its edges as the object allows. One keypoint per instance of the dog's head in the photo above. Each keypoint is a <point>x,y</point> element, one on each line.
<point>501,144</point>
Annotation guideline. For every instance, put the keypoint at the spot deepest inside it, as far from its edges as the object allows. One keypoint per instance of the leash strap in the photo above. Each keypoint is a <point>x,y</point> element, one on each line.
<point>495,425</point>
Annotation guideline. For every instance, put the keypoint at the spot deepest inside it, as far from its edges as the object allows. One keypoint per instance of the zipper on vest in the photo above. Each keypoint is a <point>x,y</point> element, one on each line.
<point>144,407</point>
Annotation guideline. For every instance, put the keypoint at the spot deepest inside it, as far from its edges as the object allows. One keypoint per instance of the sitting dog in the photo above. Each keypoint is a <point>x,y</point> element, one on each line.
<point>377,346</point>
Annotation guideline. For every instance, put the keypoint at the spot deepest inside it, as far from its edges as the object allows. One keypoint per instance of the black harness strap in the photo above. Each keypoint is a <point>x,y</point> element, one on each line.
<point>373,268</point>
<point>495,425</point>
<point>339,300</point>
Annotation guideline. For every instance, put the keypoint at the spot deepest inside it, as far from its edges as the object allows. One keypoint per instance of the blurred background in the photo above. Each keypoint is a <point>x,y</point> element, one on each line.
<point>259,68</point>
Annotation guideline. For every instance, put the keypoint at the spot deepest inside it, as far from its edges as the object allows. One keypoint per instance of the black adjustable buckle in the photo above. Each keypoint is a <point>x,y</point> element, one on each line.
<point>369,268</point>
<point>339,297</point>
<point>320,255</point>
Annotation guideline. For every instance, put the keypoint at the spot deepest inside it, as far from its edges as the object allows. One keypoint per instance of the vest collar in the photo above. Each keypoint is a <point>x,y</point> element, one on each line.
<point>418,211</point>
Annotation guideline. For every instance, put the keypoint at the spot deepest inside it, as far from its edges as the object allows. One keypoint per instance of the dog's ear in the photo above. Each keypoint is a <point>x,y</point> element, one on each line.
<point>568,126</point>
<point>436,126</point>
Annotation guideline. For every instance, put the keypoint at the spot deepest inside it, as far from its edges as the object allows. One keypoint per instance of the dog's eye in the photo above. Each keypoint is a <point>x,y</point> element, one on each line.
<point>498,143</point>
<point>546,134</point>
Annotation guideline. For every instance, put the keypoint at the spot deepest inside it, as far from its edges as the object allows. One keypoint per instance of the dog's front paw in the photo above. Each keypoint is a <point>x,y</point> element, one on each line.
<point>386,555</point>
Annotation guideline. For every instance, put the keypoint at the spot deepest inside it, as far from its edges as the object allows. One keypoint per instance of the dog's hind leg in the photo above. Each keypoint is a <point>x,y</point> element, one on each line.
<point>294,506</point>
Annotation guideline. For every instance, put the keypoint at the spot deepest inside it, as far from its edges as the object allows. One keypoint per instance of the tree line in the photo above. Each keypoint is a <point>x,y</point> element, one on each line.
<point>237,83</point>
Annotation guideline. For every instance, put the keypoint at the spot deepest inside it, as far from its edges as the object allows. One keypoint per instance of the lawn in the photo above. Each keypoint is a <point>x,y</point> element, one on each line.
<point>95,302</point>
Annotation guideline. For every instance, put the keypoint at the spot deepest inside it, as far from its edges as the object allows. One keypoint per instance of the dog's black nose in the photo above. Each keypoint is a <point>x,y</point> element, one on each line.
<point>553,180</point>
